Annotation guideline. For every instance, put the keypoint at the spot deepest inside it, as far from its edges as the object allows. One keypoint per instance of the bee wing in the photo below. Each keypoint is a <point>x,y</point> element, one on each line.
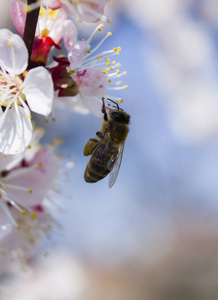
<point>114,173</point>
<point>103,145</point>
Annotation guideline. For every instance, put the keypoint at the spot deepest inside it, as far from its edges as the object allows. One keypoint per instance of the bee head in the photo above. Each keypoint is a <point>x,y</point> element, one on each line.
<point>119,116</point>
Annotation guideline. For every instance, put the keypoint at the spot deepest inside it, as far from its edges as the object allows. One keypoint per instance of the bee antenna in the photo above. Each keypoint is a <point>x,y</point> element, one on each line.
<point>114,103</point>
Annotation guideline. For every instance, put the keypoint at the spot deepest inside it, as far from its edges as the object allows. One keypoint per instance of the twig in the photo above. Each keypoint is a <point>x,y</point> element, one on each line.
<point>30,29</point>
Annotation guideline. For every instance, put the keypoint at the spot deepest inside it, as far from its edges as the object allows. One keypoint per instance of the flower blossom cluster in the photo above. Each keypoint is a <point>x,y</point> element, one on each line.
<point>32,81</point>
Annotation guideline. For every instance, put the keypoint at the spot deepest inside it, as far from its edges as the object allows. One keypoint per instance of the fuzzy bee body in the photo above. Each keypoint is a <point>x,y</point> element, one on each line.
<point>106,151</point>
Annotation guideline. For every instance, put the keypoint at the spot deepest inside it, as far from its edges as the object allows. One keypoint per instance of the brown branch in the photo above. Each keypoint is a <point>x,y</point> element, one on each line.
<point>30,29</point>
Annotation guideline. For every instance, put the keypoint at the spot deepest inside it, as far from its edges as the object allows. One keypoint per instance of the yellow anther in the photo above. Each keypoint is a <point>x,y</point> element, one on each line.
<point>119,82</point>
<point>4,189</point>
<point>29,147</point>
<point>25,73</point>
<point>113,62</point>
<point>102,24</point>
<point>106,71</point>
<point>99,29</point>
<point>45,32</point>
<point>125,86</point>
<point>39,165</point>
<point>70,72</point>
<point>10,44</point>
<point>23,212</point>
<point>108,64</point>
<point>118,71</point>
<point>124,72</point>
<point>5,155</point>
<point>121,100</point>
<point>118,65</point>
<point>30,191</point>
<point>29,117</point>
<point>108,60</point>
<point>19,137</point>
<point>111,68</point>
<point>119,48</point>
<point>109,80</point>
<point>53,13</point>
<point>115,49</point>
<point>88,51</point>
<point>33,215</point>
<point>18,227</point>
<point>117,52</point>
<point>109,33</point>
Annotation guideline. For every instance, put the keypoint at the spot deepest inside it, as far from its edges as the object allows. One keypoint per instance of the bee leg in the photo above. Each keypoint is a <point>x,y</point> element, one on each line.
<point>90,147</point>
<point>99,134</point>
<point>104,110</point>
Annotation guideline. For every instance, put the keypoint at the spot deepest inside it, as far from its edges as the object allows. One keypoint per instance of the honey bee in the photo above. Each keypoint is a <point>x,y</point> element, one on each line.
<point>106,151</point>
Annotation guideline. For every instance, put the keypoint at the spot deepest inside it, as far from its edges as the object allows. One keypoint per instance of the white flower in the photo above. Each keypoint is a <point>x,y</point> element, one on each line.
<point>94,75</point>
<point>25,183</point>
<point>82,10</point>
<point>50,22</point>
<point>20,93</point>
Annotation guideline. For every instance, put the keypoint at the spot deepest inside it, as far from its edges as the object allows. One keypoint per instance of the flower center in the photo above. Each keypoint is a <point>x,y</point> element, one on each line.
<point>10,90</point>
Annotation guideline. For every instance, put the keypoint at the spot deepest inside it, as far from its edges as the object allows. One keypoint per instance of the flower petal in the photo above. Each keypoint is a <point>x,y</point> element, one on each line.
<point>18,15</point>
<point>94,104</point>
<point>39,91</point>
<point>74,103</point>
<point>75,55</point>
<point>13,52</point>
<point>29,185</point>
<point>92,11</point>
<point>87,11</point>
<point>91,82</point>
<point>70,34</point>
<point>16,130</point>
<point>8,162</point>
<point>57,26</point>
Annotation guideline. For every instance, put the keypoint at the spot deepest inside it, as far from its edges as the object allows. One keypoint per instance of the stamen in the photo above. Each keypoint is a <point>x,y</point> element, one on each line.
<point>118,88</point>
<point>16,187</point>
<point>94,32</point>
<point>99,44</point>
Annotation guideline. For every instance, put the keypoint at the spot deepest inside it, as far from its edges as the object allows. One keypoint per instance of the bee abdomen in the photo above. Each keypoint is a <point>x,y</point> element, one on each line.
<point>95,171</point>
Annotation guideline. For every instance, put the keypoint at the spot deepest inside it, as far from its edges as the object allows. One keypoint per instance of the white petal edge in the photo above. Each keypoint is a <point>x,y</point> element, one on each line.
<point>39,90</point>
<point>69,34</point>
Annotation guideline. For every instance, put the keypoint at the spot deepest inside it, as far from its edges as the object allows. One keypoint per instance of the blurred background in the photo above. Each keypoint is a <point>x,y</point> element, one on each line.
<point>154,235</point>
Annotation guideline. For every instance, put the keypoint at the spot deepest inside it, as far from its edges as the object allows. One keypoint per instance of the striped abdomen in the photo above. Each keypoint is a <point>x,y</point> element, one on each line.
<point>97,167</point>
